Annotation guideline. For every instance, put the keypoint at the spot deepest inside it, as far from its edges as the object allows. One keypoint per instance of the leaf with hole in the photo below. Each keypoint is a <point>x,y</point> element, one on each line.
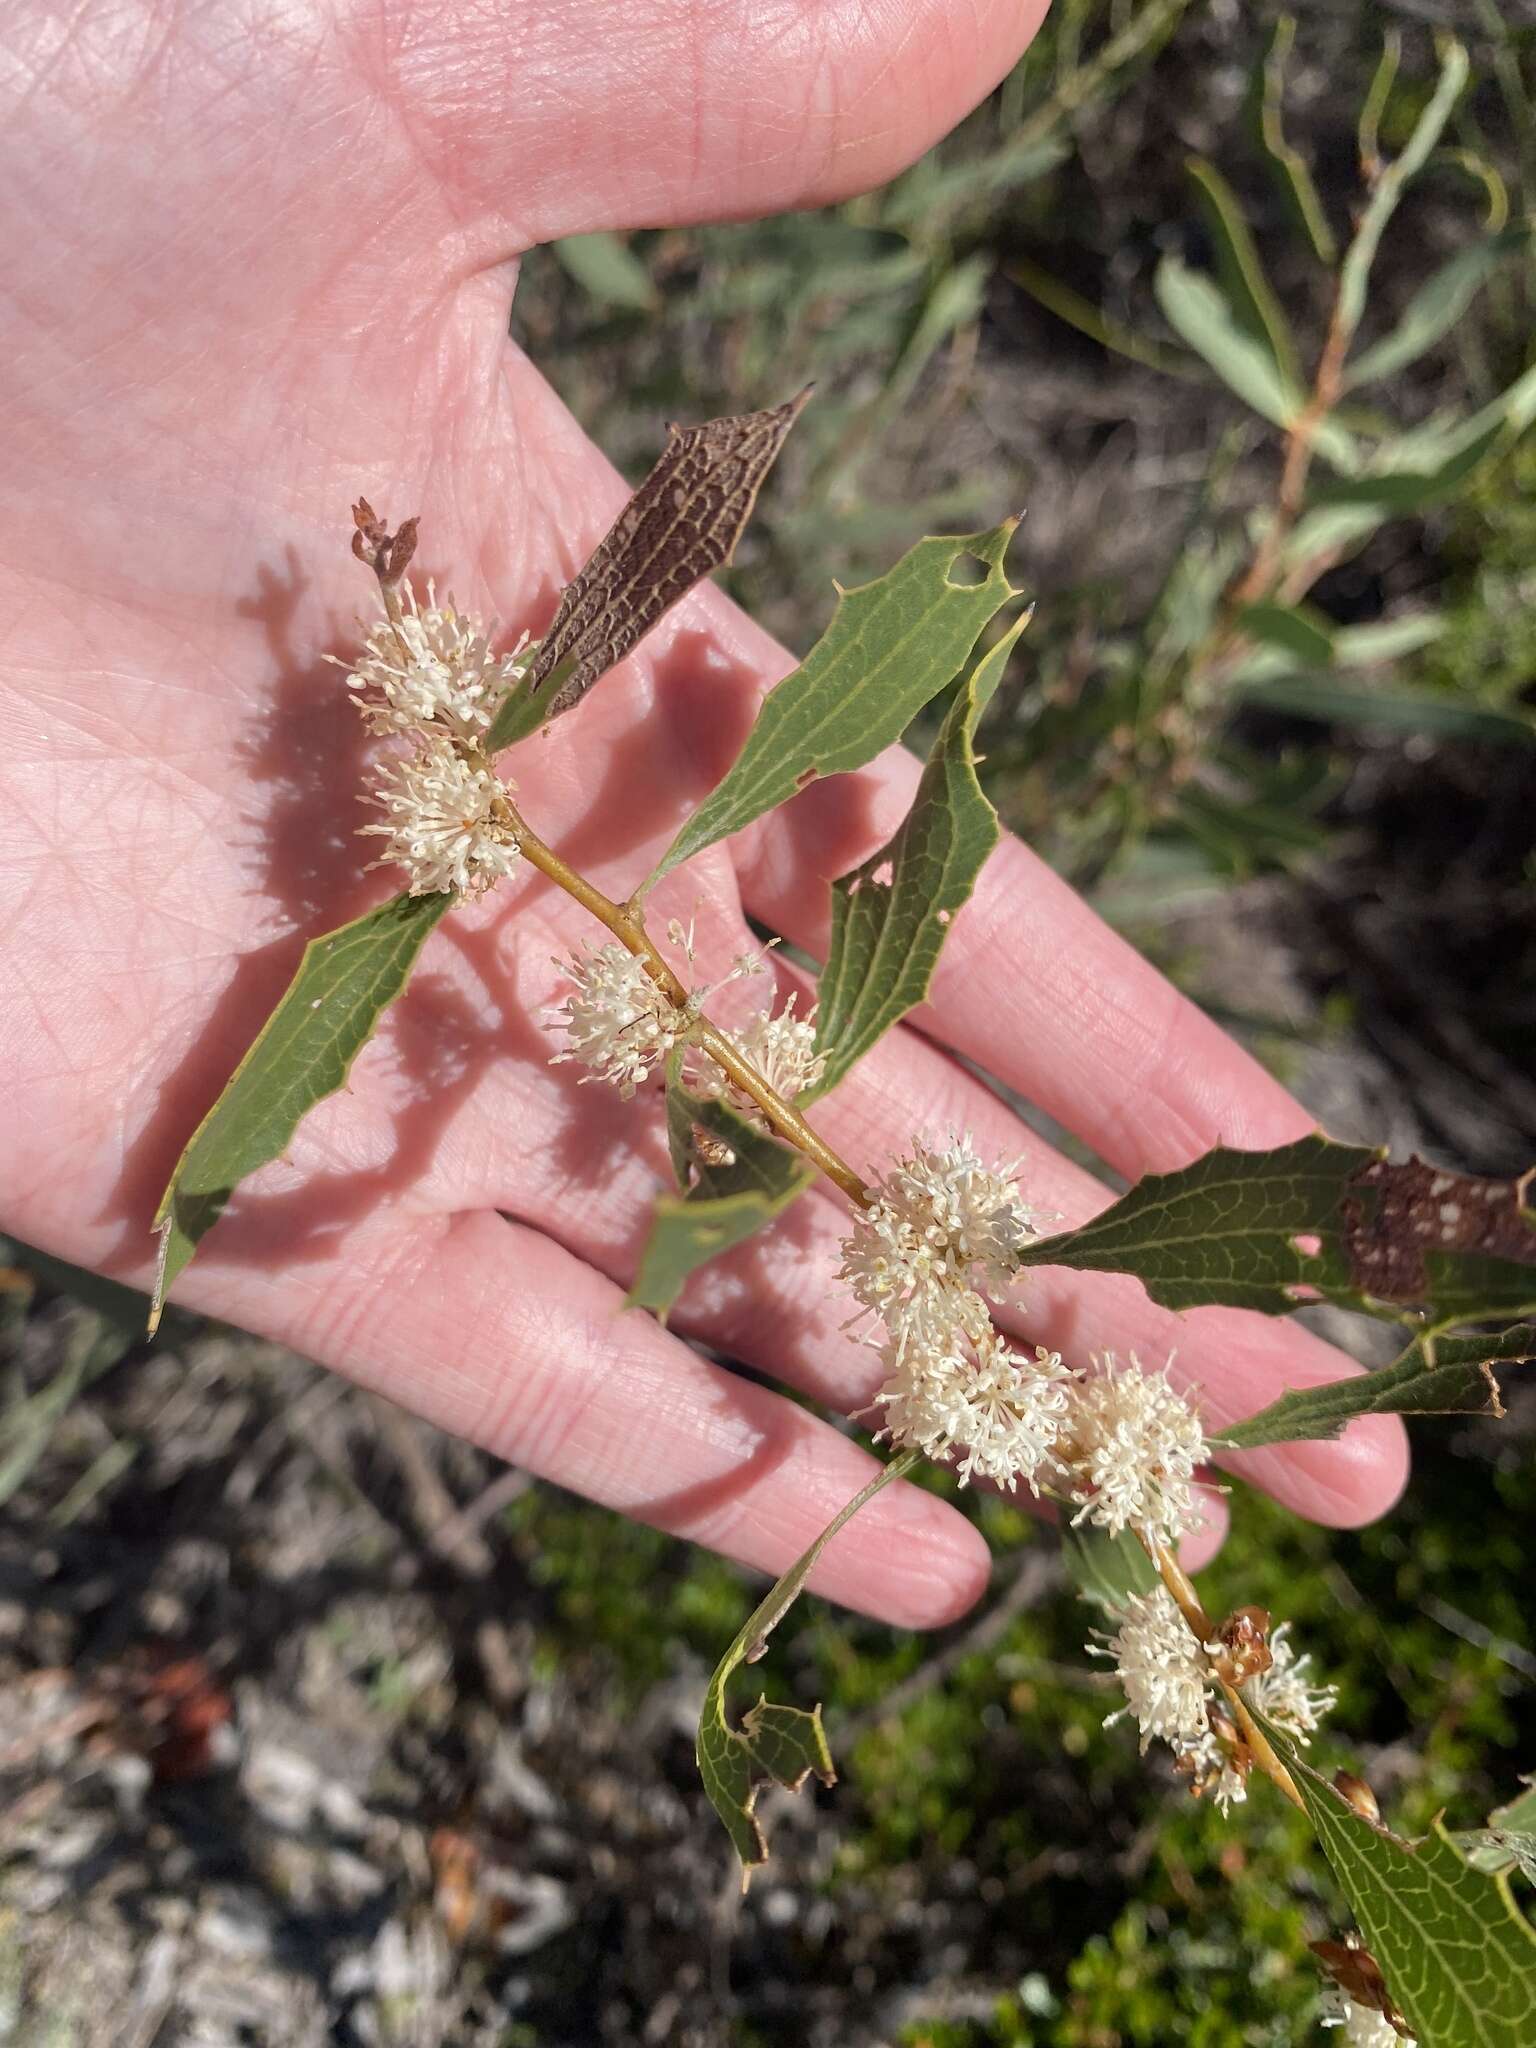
<point>1315,1220</point>
<point>774,1744</point>
<point>303,1053</point>
<point>891,916</point>
<point>891,647</point>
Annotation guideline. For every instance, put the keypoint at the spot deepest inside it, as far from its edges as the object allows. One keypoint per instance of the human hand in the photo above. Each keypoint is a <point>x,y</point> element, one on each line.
<point>262,263</point>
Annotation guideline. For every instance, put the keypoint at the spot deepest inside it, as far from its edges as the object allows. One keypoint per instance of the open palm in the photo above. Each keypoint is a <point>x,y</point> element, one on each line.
<point>261,261</point>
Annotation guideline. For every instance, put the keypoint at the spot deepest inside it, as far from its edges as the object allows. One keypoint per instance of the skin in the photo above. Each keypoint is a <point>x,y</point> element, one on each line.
<point>261,261</point>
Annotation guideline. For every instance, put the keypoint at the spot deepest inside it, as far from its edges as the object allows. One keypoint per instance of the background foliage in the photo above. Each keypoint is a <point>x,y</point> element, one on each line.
<point>1343,873</point>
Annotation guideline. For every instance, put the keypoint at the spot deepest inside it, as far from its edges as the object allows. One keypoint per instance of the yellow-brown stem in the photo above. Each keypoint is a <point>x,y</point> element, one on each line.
<point>628,928</point>
<point>1187,1600</point>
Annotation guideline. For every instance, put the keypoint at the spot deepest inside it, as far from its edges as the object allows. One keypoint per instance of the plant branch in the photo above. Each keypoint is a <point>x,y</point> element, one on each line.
<point>1181,1587</point>
<point>628,928</point>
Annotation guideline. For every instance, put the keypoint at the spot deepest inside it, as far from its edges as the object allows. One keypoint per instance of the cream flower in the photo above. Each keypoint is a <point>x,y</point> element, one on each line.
<point>448,824</point>
<point>618,1021</point>
<point>963,1388</point>
<point>783,1050</point>
<point>1283,1693</point>
<point>1128,1452</point>
<point>1363,2026</point>
<point>432,671</point>
<point>938,1224</point>
<point>1162,1670</point>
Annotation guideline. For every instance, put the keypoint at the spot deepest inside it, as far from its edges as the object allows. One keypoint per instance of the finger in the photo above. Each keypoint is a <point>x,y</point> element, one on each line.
<point>561,119</point>
<point>498,1335</point>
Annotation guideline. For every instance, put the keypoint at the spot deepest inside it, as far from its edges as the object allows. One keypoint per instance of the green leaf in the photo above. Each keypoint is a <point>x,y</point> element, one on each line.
<point>1394,708</point>
<point>1436,1375</point>
<point>1390,184</point>
<point>304,1052</point>
<point>892,645</point>
<point>608,270</point>
<point>1106,1569</point>
<point>1456,1954</point>
<point>726,1199</point>
<point>1296,632</point>
<point>1509,1840</point>
<point>891,915</point>
<point>1292,172</point>
<point>1248,289</point>
<point>1435,307</point>
<point>1314,1220</point>
<point>1199,314</point>
<point>778,1744</point>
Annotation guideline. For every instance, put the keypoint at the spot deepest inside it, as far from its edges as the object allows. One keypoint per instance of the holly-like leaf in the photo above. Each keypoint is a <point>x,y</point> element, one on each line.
<point>1314,1220</point>
<point>735,1179</point>
<point>683,522</point>
<point>304,1052</point>
<point>890,917</point>
<point>1456,1955</point>
<point>892,645</point>
<point>774,1744</point>
<point>1436,1375</point>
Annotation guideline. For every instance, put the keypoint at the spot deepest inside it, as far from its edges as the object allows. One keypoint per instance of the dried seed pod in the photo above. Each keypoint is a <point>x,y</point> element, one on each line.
<point>1241,1649</point>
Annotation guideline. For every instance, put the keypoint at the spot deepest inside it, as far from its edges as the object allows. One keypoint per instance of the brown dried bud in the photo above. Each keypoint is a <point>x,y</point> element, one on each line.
<point>1241,1649</point>
<point>1358,1975</point>
<point>386,555</point>
<point>1359,1795</point>
<point>401,549</point>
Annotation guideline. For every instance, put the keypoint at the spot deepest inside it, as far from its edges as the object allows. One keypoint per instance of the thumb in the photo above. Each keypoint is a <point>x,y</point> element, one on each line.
<point>587,114</point>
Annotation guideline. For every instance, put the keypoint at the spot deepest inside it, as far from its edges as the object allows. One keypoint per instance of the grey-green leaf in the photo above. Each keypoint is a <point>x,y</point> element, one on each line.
<point>1456,1954</point>
<point>608,270</point>
<point>1435,307</point>
<point>890,917</point>
<point>735,1179</point>
<point>892,645</point>
<point>1200,315</point>
<point>774,1743</point>
<point>1436,1375</point>
<point>304,1052</point>
<point>1314,1220</point>
<point>1248,289</point>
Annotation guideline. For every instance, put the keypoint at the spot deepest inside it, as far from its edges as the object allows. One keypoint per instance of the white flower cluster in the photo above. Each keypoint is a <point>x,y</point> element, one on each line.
<point>1170,1688</point>
<point>940,1226</point>
<point>618,1021</point>
<point>429,677</point>
<point>1130,1452</point>
<point>783,1050</point>
<point>447,819</point>
<point>1167,1683</point>
<point>432,669</point>
<point>1363,2026</point>
<point>1283,1694</point>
